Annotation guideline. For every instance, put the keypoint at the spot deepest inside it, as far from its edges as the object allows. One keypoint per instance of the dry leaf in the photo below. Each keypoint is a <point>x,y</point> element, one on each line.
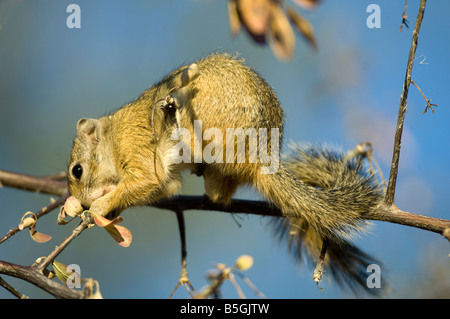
<point>27,222</point>
<point>89,289</point>
<point>307,4</point>
<point>39,237</point>
<point>62,217</point>
<point>281,37</point>
<point>255,16</point>
<point>104,222</point>
<point>233,18</point>
<point>303,25</point>
<point>72,207</point>
<point>119,233</point>
<point>31,223</point>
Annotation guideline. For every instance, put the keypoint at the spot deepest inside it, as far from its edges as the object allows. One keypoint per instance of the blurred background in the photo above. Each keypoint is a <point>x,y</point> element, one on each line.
<point>345,92</point>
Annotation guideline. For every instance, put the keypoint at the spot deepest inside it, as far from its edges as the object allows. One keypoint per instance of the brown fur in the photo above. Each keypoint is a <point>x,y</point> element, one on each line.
<point>126,156</point>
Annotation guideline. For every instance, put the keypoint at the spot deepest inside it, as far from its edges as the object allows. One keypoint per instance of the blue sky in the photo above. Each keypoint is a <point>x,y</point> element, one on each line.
<point>345,93</point>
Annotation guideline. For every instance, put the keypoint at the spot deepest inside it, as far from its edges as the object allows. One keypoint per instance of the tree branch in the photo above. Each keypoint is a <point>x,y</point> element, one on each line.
<point>32,275</point>
<point>47,185</point>
<point>390,192</point>
<point>385,213</point>
<point>40,213</point>
<point>58,249</point>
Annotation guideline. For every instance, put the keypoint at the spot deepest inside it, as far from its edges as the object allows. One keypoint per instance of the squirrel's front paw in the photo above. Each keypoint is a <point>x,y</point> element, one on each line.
<point>101,207</point>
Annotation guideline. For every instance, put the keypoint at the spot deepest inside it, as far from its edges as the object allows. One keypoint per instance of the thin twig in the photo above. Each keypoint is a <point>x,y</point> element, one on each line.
<point>48,260</point>
<point>429,105</point>
<point>40,213</point>
<point>215,284</point>
<point>318,272</point>
<point>12,290</point>
<point>184,203</point>
<point>33,276</point>
<point>404,17</point>
<point>32,183</point>
<point>236,286</point>
<point>385,213</point>
<point>250,284</point>
<point>389,199</point>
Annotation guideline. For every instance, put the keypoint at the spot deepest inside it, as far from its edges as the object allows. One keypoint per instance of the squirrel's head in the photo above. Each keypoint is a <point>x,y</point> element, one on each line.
<point>91,170</point>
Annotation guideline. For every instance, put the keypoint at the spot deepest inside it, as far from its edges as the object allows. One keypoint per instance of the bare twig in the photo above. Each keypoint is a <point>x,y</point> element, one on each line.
<point>48,260</point>
<point>404,17</point>
<point>32,275</point>
<point>12,290</point>
<point>429,105</point>
<point>36,184</point>
<point>389,199</point>
<point>215,284</point>
<point>385,213</point>
<point>251,285</point>
<point>318,272</point>
<point>40,213</point>
<point>184,203</point>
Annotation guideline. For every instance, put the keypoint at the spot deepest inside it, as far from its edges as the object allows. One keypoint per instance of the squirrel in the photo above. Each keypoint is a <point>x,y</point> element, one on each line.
<point>134,156</point>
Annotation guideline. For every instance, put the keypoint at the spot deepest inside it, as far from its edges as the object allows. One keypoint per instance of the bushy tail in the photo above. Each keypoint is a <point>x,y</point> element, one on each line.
<point>330,192</point>
<point>325,194</point>
<point>346,263</point>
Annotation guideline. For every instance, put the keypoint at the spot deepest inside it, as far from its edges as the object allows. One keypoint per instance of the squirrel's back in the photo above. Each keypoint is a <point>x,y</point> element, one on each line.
<point>229,94</point>
<point>126,159</point>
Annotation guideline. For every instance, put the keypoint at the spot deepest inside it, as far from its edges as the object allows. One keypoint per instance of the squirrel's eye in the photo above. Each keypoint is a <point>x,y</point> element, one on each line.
<point>77,171</point>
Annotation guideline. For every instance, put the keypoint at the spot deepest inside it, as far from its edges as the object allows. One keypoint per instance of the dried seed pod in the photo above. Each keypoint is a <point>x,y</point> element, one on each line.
<point>255,16</point>
<point>72,207</point>
<point>303,25</point>
<point>233,18</point>
<point>280,35</point>
<point>28,221</point>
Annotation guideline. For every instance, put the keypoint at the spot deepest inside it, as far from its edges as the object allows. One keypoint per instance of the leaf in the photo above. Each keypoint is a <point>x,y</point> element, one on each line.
<point>303,25</point>
<point>280,35</point>
<point>92,289</point>
<point>72,207</point>
<point>63,272</point>
<point>27,221</point>
<point>119,233</point>
<point>307,4</point>
<point>255,16</point>
<point>39,237</point>
<point>31,223</point>
<point>104,222</point>
<point>233,18</point>
<point>62,217</point>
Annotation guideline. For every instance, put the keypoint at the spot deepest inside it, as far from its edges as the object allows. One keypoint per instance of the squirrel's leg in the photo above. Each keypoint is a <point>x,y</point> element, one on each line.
<point>219,188</point>
<point>131,192</point>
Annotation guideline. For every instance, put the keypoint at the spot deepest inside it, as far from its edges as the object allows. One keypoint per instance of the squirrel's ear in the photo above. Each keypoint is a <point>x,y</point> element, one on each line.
<point>89,130</point>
